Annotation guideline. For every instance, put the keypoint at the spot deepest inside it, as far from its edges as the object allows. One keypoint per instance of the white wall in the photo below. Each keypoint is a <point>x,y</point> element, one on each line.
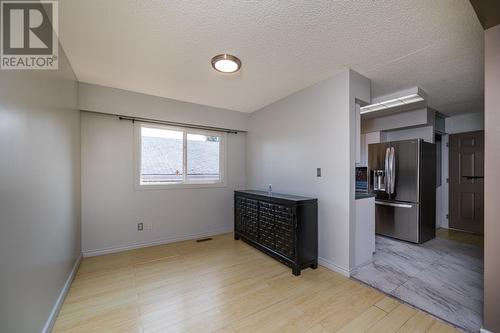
<point>492,180</point>
<point>117,101</point>
<point>465,123</point>
<point>39,192</point>
<point>112,207</point>
<point>419,117</point>
<point>290,138</point>
<point>424,132</point>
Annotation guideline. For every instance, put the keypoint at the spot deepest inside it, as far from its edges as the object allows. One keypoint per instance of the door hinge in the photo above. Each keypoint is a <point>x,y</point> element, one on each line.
<point>447,180</point>
<point>447,144</point>
<point>447,216</point>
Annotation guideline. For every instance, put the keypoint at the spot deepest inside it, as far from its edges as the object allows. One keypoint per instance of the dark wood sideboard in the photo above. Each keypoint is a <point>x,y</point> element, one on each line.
<point>283,226</point>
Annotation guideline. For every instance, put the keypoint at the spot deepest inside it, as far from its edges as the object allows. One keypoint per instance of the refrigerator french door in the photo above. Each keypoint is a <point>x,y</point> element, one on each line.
<point>402,175</point>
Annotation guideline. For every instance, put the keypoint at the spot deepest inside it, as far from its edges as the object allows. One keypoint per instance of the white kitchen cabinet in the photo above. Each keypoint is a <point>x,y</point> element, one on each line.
<point>364,231</point>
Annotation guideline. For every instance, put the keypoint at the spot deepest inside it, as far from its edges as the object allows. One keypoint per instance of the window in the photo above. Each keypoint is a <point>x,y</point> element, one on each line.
<point>203,157</point>
<point>171,156</point>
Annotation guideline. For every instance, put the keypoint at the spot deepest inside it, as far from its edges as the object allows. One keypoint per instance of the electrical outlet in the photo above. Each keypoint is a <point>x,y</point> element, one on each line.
<point>149,226</point>
<point>140,226</point>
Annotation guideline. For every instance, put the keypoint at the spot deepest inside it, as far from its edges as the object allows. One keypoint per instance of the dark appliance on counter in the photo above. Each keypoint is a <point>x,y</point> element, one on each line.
<point>402,176</point>
<point>283,226</point>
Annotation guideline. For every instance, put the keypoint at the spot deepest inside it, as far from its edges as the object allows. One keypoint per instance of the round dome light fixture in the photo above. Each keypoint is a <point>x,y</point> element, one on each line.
<point>226,63</point>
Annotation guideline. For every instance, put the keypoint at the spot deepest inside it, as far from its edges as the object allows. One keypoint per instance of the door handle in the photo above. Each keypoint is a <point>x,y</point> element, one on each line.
<point>387,179</point>
<point>383,203</point>
<point>392,158</point>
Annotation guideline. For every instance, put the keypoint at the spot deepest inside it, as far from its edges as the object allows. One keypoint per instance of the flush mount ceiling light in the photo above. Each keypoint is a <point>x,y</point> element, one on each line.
<point>412,96</point>
<point>226,63</point>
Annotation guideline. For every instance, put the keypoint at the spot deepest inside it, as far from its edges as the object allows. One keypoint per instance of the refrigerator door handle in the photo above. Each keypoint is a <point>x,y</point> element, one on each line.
<point>383,203</point>
<point>393,169</point>
<point>389,170</point>
<point>386,171</point>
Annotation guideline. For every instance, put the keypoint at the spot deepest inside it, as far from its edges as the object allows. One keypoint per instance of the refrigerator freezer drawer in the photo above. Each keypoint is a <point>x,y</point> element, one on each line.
<point>398,220</point>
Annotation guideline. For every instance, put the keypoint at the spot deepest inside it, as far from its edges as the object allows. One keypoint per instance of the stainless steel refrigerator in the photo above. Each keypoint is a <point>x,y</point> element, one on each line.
<point>402,175</point>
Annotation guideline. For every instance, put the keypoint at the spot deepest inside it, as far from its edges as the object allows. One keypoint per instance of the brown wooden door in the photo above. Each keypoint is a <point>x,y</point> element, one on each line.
<point>466,188</point>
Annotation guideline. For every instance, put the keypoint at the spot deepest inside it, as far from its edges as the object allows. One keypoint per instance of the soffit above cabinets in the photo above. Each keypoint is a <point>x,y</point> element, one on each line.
<point>407,119</point>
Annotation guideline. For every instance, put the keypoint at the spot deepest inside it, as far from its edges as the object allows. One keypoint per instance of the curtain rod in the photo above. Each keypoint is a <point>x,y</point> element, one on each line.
<point>171,123</point>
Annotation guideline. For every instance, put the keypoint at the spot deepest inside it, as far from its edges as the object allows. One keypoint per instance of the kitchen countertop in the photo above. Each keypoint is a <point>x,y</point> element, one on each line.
<point>363,195</point>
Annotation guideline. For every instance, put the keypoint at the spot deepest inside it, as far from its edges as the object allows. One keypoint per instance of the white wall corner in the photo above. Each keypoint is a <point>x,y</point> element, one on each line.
<point>51,320</point>
<point>334,267</point>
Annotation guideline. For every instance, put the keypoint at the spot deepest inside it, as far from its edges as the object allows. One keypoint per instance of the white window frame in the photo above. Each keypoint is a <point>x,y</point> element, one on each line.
<point>185,183</point>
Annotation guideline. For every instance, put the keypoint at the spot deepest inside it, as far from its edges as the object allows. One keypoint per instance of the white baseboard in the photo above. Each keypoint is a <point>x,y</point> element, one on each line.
<point>121,248</point>
<point>334,267</point>
<point>49,324</point>
<point>482,330</point>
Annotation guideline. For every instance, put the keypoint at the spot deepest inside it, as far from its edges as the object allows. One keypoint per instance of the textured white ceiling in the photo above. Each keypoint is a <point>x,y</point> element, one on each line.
<point>164,47</point>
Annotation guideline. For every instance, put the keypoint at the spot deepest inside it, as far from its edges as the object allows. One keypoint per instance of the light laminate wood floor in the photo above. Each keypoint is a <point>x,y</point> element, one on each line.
<point>225,285</point>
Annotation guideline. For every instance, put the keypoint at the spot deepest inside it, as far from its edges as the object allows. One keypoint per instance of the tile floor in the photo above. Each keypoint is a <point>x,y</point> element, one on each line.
<point>443,277</point>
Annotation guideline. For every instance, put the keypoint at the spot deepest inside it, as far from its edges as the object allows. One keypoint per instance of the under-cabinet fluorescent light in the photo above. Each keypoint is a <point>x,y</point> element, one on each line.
<point>411,98</point>
<point>408,99</point>
<point>392,102</point>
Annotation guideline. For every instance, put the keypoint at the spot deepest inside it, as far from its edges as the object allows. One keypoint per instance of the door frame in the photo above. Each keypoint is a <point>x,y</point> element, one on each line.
<point>442,218</point>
